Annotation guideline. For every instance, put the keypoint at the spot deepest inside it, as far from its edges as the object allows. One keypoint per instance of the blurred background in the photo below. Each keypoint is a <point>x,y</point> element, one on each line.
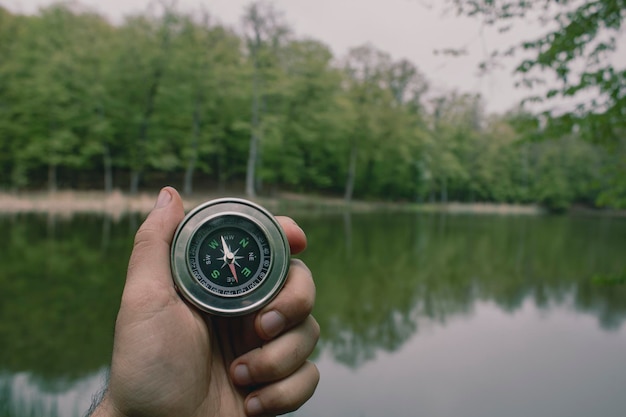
<point>459,167</point>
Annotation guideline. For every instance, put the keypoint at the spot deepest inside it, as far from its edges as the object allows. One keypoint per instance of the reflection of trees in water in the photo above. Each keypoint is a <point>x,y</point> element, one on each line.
<point>403,269</point>
<point>25,395</point>
<point>379,278</point>
<point>60,293</point>
<point>373,331</point>
<point>601,303</point>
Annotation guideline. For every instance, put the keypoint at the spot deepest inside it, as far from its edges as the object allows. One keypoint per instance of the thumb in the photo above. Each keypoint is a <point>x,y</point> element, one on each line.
<point>149,265</point>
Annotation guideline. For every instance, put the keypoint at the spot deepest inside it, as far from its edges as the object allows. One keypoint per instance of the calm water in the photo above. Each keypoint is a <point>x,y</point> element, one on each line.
<point>421,315</point>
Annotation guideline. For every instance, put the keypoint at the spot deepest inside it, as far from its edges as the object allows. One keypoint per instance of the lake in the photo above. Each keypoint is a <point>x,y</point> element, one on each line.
<point>429,315</point>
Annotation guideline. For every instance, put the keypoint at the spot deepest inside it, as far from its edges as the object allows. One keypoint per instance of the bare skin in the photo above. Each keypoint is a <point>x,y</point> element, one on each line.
<point>171,360</point>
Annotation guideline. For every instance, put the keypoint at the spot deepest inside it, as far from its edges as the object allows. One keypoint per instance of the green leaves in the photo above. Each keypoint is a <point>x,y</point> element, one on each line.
<point>178,96</point>
<point>579,52</point>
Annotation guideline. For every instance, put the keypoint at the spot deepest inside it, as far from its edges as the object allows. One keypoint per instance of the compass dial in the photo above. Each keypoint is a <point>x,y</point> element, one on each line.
<point>229,257</point>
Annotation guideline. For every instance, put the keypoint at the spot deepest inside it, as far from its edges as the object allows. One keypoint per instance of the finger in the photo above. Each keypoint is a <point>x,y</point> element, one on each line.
<point>295,235</point>
<point>292,304</point>
<point>149,265</point>
<point>286,395</point>
<point>279,358</point>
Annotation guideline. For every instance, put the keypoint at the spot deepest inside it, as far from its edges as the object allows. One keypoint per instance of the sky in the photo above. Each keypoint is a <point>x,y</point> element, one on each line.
<point>406,29</point>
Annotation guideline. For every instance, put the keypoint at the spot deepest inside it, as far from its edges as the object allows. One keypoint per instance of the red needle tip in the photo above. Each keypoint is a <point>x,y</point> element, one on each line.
<point>234,272</point>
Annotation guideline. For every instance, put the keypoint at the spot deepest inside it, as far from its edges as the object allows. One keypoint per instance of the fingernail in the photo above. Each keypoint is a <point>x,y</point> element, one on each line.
<point>272,323</point>
<point>254,406</point>
<point>242,375</point>
<point>163,199</point>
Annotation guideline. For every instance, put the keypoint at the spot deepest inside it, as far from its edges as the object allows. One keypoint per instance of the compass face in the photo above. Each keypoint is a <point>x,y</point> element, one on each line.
<point>229,257</point>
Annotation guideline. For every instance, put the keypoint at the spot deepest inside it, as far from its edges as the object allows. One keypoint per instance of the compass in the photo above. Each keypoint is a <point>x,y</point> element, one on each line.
<point>229,257</point>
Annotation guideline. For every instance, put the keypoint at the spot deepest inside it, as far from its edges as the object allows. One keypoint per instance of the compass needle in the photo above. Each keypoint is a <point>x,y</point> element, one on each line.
<point>233,271</point>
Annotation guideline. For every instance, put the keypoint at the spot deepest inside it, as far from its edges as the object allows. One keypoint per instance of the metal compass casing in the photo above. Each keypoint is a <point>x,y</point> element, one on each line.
<point>229,257</point>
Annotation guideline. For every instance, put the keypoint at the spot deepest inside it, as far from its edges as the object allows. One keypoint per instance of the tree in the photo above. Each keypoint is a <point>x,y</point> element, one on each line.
<point>397,166</point>
<point>48,88</point>
<point>93,36</point>
<point>456,128</point>
<point>577,49</point>
<point>197,84</point>
<point>13,167</point>
<point>264,33</point>
<point>169,95</point>
<point>144,49</point>
<point>366,70</point>
<point>299,147</point>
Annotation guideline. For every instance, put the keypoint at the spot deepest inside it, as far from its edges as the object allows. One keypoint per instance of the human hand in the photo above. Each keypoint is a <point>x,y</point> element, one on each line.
<point>169,359</point>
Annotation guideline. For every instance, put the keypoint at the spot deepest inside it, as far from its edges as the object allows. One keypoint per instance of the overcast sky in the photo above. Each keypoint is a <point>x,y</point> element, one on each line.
<point>411,29</point>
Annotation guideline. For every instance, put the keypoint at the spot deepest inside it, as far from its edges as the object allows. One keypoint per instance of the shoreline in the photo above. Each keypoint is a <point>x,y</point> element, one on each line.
<point>68,203</point>
<point>116,204</point>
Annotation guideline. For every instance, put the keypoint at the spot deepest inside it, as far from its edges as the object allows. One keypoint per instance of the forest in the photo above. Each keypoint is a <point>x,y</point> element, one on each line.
<point>167,97</point>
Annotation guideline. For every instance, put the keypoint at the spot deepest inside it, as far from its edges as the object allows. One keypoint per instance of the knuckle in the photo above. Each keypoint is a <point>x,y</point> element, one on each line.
<point>290,394</point>
<point>279,399</point>
<point>270,366</point>
<point>302,294</point>
<point>146,233</point>
<point>303,300</point>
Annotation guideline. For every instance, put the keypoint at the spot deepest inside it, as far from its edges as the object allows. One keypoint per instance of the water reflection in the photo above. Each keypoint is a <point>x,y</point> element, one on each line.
<point>24,394</point>
<point>400,268</point>
<point>490,363</point>
<point>385,283</point>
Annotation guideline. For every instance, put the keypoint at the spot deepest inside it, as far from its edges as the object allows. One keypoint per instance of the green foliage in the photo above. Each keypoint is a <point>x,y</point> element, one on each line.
<point>577,50</point>
<point>172,95</point>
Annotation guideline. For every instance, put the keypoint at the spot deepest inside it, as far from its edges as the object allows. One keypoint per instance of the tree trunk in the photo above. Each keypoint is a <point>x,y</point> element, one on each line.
<point>250,170</point>
<point>153,89</point>
<point>444,191</point>
<point>258,180</point>
<point>525,164</point>
<point>254,137</point>
<point>143,134</point>
<point>188,181</point>
<point>135,176</point>
<point>193,158</point>
<point>52,177</point>
<point>351,174</point>
<point>220,164</point>
<point>108,170</point>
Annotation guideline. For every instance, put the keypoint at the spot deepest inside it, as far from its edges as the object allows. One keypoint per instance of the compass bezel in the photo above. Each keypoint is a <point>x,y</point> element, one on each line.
<point>210,301</point>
